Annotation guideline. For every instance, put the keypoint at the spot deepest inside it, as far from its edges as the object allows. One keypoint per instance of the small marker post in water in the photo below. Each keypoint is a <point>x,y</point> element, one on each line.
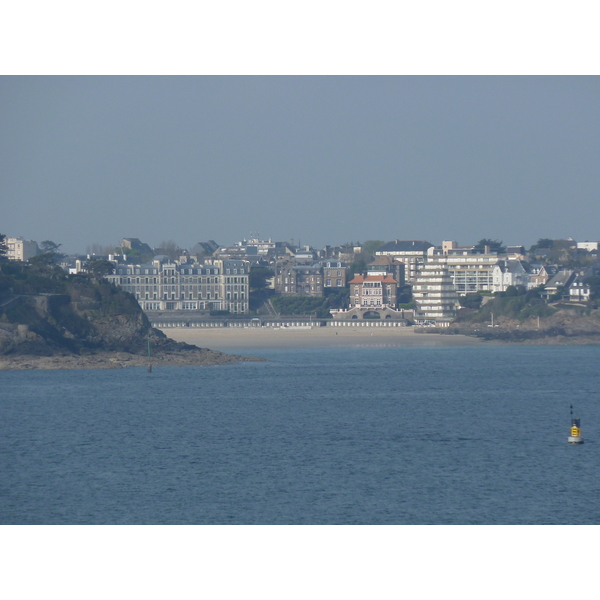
<point>149,365</point>
<point>575,437</point>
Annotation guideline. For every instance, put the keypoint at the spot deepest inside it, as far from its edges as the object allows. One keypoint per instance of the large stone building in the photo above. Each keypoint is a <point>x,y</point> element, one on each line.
<point>298,280</point>
<point>293,279</point>
<point>373,290</point>
<point>163,284</point>
<point>334,274</point>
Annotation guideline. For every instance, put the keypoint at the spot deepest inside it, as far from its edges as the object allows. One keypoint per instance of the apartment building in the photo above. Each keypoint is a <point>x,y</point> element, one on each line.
<point>470,269</point>
<point>164,284</point>
<point>413,253</point>
<point>20,249</point>
<point>435,296</point>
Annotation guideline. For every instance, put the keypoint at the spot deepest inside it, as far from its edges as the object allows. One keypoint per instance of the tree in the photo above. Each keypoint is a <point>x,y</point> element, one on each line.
<point>49,246</point>
<point>258,277</point>
<point>370,246</point>
<point>593,281</point>
<point>404,294</point>
<point>494,245</point>
<point>170,249</point>
<point>45,264</point>
<point>471,301</point>
<point>3,248</point>
<point>358,266</point>
<point>49,252</point>
<point>99,249</point>
<point>562,252</point>
<point>100,267</point>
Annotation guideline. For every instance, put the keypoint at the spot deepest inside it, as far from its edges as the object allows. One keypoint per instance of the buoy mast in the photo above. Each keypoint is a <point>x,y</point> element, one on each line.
<point>575,437</point>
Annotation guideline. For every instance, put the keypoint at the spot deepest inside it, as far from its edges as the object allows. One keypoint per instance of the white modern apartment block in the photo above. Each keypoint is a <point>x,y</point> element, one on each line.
<point>20,249</point>
<point>168,285</point>
<point>471,271</point>
<point>435,296</point>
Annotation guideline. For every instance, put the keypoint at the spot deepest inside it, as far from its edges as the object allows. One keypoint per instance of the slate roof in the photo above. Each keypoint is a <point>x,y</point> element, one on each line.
<point>562,278</point>
<point>405,246</point>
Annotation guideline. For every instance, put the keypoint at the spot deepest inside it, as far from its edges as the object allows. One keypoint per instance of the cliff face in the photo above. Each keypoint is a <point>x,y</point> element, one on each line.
<point>80,323</point>
<point>49,324</point>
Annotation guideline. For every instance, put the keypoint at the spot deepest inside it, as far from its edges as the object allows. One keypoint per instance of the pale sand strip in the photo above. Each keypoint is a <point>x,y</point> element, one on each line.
<point>229,340</point>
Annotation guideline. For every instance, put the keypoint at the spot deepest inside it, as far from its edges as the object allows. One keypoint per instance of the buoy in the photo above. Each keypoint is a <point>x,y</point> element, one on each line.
<point>575,437</point>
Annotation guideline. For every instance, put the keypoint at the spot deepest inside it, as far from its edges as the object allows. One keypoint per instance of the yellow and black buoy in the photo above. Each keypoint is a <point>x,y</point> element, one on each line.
<point>575,437</point>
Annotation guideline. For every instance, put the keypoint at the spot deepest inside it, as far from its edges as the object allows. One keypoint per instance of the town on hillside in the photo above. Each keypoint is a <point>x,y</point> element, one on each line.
<point>394,283</point>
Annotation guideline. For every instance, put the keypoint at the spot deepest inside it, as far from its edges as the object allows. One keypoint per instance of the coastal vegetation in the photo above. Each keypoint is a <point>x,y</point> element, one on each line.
<point>515,303</point>
<point>50,319</point>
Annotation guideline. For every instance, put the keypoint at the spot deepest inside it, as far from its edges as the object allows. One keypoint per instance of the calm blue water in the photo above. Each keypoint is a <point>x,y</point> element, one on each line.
<point>464,435</point>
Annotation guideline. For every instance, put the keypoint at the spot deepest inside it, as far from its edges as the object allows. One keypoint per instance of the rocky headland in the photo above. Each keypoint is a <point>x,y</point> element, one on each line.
<point>89,325</point>
<point>569,325</point>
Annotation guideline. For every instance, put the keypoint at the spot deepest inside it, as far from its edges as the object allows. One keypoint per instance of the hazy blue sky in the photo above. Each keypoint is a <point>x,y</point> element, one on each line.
<point>322,159</point>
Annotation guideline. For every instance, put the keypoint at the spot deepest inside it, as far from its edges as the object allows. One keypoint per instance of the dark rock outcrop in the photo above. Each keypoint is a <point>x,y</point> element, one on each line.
<point>101,330</point>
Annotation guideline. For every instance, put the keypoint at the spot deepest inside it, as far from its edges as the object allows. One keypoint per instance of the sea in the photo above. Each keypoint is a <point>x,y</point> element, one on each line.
<point>346,436</point>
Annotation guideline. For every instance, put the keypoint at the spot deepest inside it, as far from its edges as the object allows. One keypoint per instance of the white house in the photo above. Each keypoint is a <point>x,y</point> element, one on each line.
<point>510,272</point>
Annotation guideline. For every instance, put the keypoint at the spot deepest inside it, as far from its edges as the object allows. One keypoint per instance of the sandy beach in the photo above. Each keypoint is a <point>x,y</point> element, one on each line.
<point>234,339</point>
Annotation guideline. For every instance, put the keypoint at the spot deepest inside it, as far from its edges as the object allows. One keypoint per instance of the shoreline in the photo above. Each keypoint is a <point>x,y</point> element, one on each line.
<point>236,339</point>
<point>191,357</point>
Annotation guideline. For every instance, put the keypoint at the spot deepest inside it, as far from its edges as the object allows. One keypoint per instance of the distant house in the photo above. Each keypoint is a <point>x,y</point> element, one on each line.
<point>589,246</point>
<point>204,248</point>
<point>298,280</point>
<point>515,252</point>
<point>578,290</point>
<point>390,265</point>
<point>334,273</point>
<point>540,274</point>
<point>510,272</point>
<point>373,290</point>
<point>137,245</point>
<point>305,254</point>
<point>560,282</point>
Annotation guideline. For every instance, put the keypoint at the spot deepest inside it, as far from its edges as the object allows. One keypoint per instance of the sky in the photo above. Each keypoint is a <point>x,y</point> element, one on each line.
<point>317,159</point>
